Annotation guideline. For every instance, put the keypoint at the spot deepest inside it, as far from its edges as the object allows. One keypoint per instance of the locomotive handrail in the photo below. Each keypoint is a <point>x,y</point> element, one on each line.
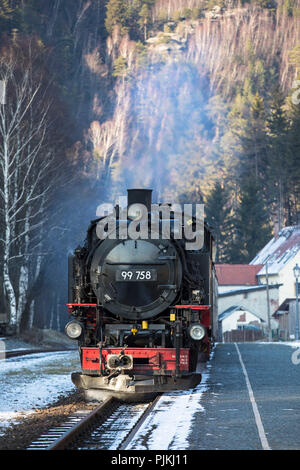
<point>81,305</point>
<point>194,307</point>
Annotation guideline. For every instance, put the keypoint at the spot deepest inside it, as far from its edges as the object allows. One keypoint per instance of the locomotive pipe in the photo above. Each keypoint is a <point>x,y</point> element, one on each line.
<point>70,278</point>
<point>178,335</point>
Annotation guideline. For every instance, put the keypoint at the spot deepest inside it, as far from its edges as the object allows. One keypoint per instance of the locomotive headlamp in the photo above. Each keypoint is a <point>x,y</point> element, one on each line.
<point>74,329</point>
<point>197,331</point>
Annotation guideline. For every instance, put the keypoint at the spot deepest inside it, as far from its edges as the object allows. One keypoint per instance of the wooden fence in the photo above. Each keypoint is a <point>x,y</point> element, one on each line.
<point>239,336</point>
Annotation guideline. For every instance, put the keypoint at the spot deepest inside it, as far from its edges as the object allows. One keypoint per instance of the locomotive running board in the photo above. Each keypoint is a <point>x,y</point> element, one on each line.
<point>123,387</point>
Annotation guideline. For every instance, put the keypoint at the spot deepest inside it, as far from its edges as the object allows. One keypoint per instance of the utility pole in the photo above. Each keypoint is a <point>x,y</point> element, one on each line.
<point>296,270</point>
<point>297,310</point>
<point>268,303</point>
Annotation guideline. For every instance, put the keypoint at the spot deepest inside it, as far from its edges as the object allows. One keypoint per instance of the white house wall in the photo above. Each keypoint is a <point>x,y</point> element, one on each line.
<point>232,321</point>
<point>255,301</point>
<point>285,277</point>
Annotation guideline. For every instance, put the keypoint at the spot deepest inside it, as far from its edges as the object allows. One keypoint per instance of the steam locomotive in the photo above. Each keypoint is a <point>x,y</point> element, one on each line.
<point>142,310</point>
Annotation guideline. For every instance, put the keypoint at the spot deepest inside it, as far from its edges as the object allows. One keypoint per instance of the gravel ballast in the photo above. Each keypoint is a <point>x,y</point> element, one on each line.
<point>19,436</point>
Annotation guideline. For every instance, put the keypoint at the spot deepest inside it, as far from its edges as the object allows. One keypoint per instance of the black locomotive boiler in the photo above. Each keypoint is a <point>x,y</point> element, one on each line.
<point>143,310</point>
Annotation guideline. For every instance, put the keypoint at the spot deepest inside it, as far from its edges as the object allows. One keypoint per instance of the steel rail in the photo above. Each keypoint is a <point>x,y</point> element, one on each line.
<point>26,352</point>
<point>62,442</point>
<point>78,428</point>
<point>138,425</point>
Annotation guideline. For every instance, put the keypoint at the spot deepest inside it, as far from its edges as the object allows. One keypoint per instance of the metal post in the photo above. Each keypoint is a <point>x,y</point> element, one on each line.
<point>297,309</point>
<point>296,270</point>
<point>268,304</point>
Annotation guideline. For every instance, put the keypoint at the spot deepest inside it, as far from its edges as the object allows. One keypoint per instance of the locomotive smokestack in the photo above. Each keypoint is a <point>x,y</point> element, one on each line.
<point>140,196</point>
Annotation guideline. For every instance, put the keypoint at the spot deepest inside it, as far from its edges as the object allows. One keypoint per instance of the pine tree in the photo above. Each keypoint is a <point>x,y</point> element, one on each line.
<point>132,17</point>
<point>217,213</point>
<point>254,141</point>
<point>251,223</point>
<point>293,202</point>
<point>6,16</point>
<point>116,14</point>
<point>278,161</point>
<point>120,67</point>
<point>145,17</point>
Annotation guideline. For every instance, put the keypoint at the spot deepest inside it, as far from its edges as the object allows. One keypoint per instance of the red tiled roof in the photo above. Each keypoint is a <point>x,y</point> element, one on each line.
<point>237,274</point>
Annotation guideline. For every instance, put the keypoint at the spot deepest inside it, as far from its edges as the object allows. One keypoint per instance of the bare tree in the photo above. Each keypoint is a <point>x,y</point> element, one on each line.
<point>26,180</point>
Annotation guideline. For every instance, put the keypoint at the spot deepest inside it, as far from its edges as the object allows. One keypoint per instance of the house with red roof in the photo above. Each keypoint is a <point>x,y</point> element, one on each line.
<point>269,275</point>
<point>280,255</point>
<point>236,276</point>
<point>241,295</point>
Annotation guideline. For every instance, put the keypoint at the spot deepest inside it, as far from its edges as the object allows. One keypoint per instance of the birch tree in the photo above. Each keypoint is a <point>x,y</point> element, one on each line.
<point>26,180</point>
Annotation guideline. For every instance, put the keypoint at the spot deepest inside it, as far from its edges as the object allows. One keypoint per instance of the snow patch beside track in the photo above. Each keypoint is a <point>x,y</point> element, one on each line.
<point>33,382</point>
<point>170,423</point>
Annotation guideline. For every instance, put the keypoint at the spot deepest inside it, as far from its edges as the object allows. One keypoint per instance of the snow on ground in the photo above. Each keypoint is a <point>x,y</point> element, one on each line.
<point>293,344</point>
<point>12,343</point>
<point>169,425</point>
<point>34,381</point>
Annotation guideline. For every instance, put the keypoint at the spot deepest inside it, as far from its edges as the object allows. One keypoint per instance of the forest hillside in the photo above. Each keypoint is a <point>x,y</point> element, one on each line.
<point>197,99</point>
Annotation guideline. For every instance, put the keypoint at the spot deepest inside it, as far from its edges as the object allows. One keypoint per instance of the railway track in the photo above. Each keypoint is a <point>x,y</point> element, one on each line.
<point>110,426</point>
<point>26,352</point>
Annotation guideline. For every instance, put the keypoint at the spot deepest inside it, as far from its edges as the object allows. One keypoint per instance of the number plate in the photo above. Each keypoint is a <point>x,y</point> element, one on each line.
<point>136,275</point>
